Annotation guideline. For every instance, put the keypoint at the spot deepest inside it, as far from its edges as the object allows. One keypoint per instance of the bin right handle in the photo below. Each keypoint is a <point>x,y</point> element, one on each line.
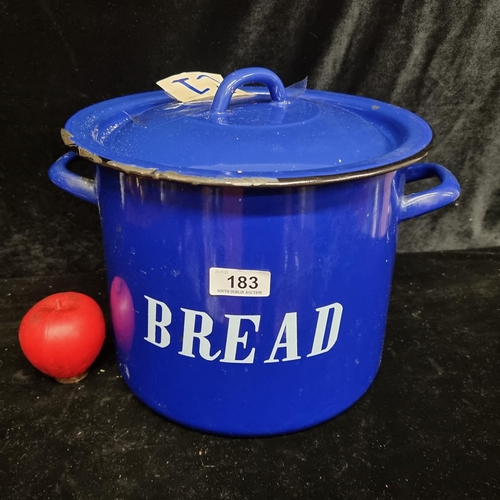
<point>414,205</point>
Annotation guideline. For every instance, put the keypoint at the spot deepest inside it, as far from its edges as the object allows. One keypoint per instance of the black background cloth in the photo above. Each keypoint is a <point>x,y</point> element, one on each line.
<point>438,58</point>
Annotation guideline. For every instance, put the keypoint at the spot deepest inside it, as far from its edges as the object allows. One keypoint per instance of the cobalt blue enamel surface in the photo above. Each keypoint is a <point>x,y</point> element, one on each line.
<point>250,364</point>
<point>325,245</point>
<point>315,134</point>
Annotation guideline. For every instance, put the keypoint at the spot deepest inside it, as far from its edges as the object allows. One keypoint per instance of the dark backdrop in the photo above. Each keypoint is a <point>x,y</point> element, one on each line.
<point>439,58</point>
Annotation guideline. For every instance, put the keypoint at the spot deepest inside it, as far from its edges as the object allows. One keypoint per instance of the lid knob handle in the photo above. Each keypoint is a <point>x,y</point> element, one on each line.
<point>241,77</point>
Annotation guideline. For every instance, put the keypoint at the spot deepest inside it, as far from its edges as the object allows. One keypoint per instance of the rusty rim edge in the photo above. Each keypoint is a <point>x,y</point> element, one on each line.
<point>249,182</point>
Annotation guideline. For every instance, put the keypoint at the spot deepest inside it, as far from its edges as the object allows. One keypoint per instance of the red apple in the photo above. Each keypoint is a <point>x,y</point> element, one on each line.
<point>62,335</point>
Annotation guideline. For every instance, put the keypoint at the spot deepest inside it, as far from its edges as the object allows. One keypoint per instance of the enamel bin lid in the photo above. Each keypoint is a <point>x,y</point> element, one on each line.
<point>270,137</point>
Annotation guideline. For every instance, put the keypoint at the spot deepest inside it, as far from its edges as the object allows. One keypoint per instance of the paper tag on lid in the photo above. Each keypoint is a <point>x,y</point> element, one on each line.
<point>194,86</point>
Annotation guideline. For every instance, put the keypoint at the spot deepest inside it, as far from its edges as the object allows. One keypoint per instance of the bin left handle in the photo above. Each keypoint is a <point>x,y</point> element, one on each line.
<point>79,186</point>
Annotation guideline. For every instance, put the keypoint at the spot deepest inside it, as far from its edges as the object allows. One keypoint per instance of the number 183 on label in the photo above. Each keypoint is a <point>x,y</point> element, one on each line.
<point>239,282</point>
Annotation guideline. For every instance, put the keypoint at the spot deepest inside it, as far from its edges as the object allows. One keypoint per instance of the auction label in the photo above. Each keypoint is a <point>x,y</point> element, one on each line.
<point>240,282</point>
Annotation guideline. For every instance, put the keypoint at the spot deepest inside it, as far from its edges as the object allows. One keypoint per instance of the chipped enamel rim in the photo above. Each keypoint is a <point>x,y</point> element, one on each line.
<point>153,173</point>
